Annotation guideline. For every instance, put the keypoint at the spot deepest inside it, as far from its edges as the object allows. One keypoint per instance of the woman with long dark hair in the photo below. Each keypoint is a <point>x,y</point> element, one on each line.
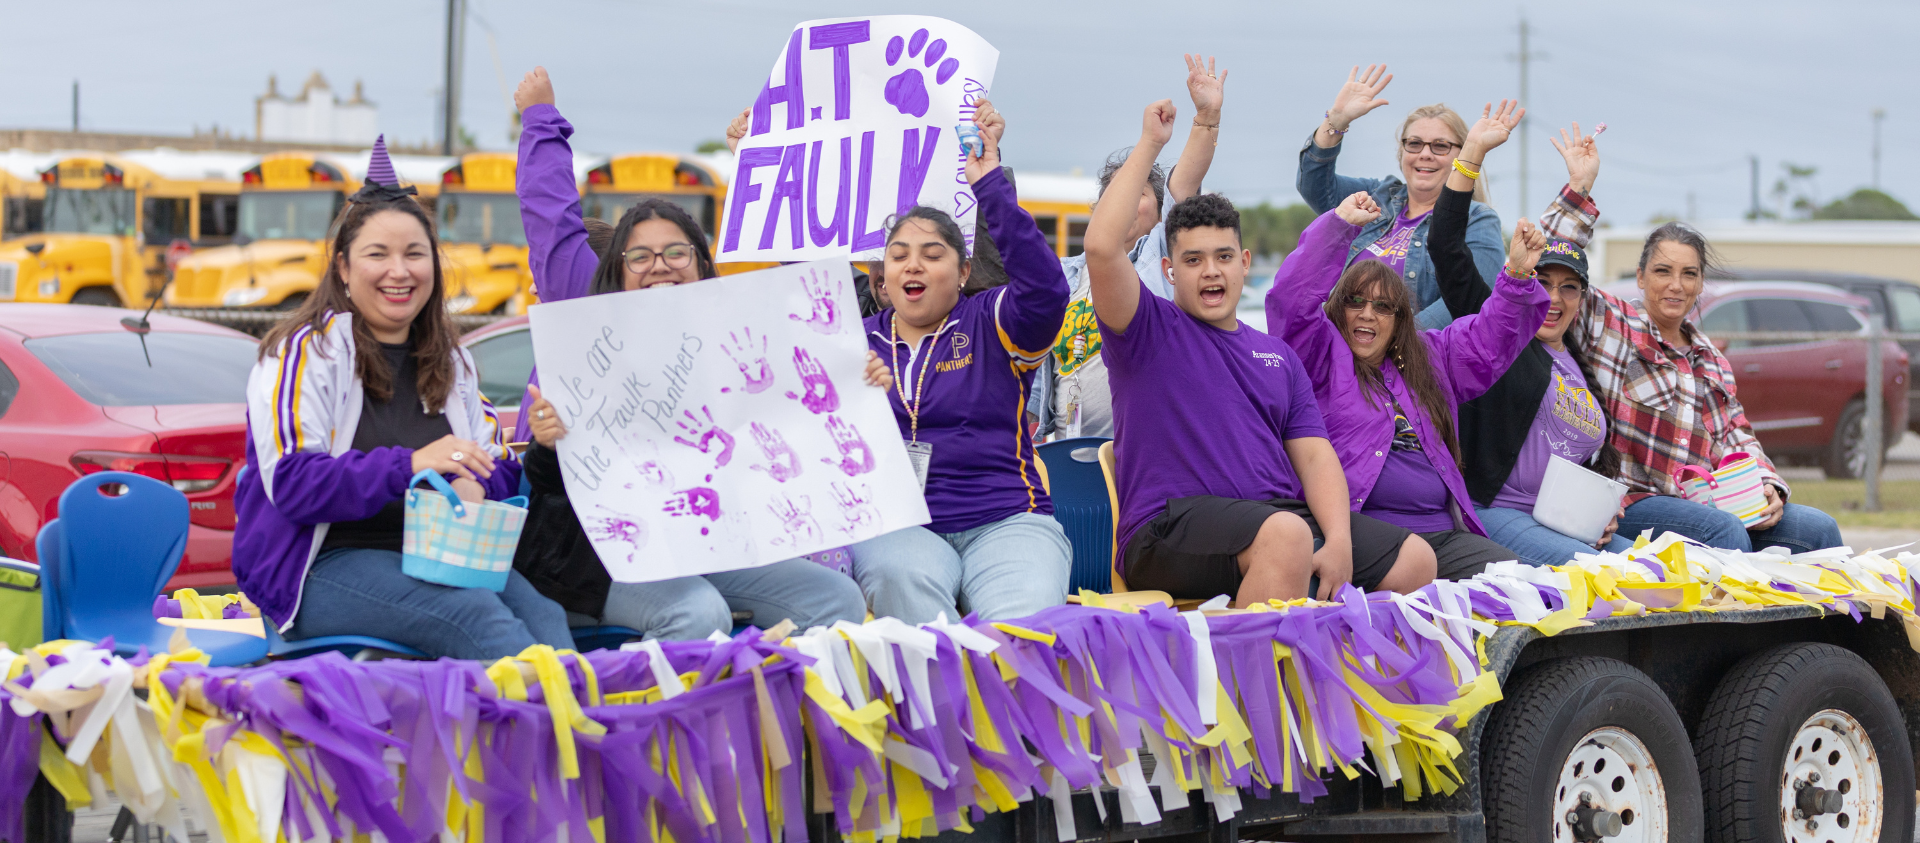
<point>656,243</point>
<point>965,366</point>
<point>359,389</point>
<point>1387,390</point>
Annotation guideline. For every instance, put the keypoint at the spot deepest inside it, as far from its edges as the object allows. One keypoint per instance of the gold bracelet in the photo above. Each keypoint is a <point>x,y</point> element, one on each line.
<point>1206,125</point>
<point>1462,168</point>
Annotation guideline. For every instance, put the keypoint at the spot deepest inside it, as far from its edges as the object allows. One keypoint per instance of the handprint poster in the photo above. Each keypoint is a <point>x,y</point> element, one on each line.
<point>723,425</point>
<point>856,122</point>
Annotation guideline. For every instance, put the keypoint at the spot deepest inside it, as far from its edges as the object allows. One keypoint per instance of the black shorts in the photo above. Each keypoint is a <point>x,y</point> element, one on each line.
<point>1188,549</point>
<point>1462,554</point>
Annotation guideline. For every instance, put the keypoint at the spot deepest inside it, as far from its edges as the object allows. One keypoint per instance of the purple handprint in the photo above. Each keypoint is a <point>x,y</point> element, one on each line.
<point>782,463</point>
<point>860,514</point>
<point>797,518</point>
<point>816,389</point>
<point>754,368</point>
<point>856,458</point>
<point>825,318</point>
<point>704,435</point>
<point>615,527</point>
<point>698,500</point>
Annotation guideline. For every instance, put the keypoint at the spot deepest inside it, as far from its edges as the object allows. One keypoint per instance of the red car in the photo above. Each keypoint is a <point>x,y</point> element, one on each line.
<point>78,395</point>
<point>503,352</point>
<point>1806,400</point>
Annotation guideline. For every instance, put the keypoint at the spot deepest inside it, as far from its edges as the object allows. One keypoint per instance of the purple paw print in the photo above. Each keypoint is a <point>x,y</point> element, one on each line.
<point>907,90</point>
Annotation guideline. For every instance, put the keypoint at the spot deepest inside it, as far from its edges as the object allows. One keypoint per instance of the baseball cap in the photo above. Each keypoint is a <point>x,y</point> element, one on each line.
<point>1565,253</point>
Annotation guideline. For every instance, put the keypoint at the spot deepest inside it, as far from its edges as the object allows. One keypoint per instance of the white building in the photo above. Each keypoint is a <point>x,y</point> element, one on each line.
<point>316,116</point>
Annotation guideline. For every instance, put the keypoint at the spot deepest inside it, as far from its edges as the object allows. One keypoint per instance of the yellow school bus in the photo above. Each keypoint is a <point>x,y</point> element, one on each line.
<point>697,183</point>
<point>107,223</point>
<point>22,195</point>
<point>287,202</point>
<point>478,217</point>
<point>1061,205</point>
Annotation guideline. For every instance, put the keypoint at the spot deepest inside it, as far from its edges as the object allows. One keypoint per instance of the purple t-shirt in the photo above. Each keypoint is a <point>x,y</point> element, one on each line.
<point>1569,425</point>
<point>1409,492</point>
<point>1391,248</point>
<point>1202,411</point>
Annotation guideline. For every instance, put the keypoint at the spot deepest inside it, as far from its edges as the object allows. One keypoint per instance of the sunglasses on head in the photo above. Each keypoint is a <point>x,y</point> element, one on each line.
<point>1384,308</point>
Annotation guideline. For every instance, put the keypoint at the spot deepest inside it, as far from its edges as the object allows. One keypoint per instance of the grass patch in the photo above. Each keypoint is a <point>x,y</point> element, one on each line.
<point>1845,499</point>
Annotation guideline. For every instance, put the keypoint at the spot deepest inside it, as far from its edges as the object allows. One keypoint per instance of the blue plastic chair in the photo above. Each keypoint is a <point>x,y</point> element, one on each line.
<point>356,647</point>
<point>105,557</point>
<point>1081,505</point>
<point>586,639</point>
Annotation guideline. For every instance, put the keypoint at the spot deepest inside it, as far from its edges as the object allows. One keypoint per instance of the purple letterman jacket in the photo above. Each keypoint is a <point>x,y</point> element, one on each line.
<point>973,411</point>
<point>1468,356</point>
<point>557,250</point>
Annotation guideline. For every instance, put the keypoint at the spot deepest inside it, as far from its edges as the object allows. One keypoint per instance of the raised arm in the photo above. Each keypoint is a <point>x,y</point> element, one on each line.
<point>1462,286</point>
<point>1571,215</point>
<point>1033,302</point>
<point>1313,268</point>
<point>1114,284</point>
<point>1477,349</point>
<point>1317,181</point>
<point>557,251</point>
<point>1208,91</point>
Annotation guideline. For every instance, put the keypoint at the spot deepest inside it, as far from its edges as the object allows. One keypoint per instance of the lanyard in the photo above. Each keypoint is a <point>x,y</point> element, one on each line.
<point>920,386</point>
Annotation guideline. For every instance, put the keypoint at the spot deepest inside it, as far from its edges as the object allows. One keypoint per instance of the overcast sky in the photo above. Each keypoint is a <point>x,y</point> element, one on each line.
<point>1688,89</point>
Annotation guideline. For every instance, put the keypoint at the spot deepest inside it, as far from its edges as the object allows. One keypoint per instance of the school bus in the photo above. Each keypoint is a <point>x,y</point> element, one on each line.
<point>697,183</point>
<point>1061,205</point>
<point>107,223</point>
<point>22,195</point>
<point>478,216</point>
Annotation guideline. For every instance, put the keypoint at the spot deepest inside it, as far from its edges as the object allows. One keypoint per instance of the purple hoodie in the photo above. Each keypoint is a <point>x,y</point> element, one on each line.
<point>1468,356</point>
<point>557,251</point>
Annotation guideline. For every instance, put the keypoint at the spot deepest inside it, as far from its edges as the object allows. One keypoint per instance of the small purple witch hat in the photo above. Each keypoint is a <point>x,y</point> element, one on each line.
<point>382,182</point>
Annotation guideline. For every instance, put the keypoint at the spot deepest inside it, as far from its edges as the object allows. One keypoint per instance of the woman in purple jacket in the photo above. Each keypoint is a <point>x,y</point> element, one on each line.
<point>1388,391</point>
<point>964,367</point>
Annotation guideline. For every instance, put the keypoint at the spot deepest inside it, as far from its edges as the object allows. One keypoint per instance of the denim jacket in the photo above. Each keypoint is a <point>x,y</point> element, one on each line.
<point>1323,189</point>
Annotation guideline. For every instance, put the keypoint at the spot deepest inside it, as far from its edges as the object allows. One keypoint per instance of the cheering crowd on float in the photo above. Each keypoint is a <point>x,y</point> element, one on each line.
<point>1395,424</point>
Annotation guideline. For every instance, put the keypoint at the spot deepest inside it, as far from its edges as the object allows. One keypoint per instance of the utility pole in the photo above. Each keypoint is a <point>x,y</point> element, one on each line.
<point>76,128</point>
<point>450,91</point>
<point>1753,214</point>
<point>1525,57</point>
<point>1879,116</point>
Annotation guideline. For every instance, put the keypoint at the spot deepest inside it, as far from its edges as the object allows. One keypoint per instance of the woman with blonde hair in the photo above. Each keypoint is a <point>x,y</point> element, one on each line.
<point>1429,144</point>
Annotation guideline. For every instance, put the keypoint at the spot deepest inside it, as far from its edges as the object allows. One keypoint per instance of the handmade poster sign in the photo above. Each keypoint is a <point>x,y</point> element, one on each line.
<point>856,122</point>
<point>723,425</point>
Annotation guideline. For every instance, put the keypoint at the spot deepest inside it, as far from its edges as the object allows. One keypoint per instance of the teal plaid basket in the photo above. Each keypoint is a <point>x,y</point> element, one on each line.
<point>453,542</point>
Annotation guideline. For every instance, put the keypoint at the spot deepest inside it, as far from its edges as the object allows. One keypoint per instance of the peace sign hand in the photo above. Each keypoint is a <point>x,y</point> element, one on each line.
<point>1359,96</point>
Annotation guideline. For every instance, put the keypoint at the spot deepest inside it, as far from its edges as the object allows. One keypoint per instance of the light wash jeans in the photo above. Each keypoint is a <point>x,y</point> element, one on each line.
<point>362,591</point>
<point>1801,529</point>
<point>691,608</point>
<point>1533,542</point>
<point>1007,569</point>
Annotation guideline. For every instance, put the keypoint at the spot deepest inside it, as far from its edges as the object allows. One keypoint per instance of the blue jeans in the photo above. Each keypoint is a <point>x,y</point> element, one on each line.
<point>1534,543</point>
<point>1801,528</point>
<point>361,591</point>
<point>691,608</point>
<point>1008,569</point>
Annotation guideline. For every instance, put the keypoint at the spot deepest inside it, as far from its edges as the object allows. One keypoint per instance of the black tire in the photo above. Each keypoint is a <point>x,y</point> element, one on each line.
<point>1548,709</point>
<point>1753,717</point>
<point>1846,456</point>
<point>97,297</point>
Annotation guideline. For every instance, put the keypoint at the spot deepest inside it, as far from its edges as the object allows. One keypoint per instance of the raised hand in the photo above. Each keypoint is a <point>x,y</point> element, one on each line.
<point>737,130</point>
<point>1582,155</point>
<point>992,126</point>
<point>1494,127</point>
<point>535,89</point>
<point>1359,96</point>
<point>1156,124</point>
<point>856,458</point>
<point>1206,89</point>
<point>752,362</point>
<point>1358,209</point>
<point>1527,246</point>
<point>858,512</point>
<point>699,500</point>
<point>825,316</point>
<point>797,519</point>
<point>782,463</point>
<point>703,436</point>
<point>816,389</point>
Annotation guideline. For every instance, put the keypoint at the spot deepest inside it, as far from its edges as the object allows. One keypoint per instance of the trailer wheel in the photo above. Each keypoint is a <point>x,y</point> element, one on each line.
<point>1587,749</point>
<point>1805,743</point>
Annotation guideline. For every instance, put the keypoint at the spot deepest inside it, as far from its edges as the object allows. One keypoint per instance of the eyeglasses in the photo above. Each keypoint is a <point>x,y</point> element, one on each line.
<point>1359,303</point>
<point>1439,147</point>
<point>677,256</point>
<point>1571,289</point>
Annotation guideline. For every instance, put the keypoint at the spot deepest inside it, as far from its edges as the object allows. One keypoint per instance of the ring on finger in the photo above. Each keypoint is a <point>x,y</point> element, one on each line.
<point>457,456</point>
